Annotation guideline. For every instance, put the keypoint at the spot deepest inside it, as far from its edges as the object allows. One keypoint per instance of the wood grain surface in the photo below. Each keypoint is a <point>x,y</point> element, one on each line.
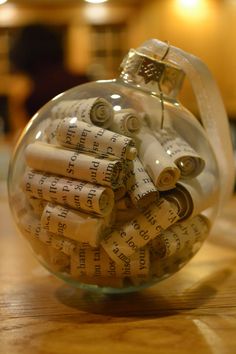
<point>194,311</point>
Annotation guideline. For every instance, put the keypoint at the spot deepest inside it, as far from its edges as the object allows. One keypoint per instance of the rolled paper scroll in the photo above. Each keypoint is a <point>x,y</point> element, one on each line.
<point>31,226</point>
<point>37,205</point>
<point>50,131</point>
<point>93,110</point>
<point>139,264</point>
<point>182,200</point>
<point>21,203</point>
<point>64,162</point>
<point>126,122</point>
<point>139,186</point>
<point>124,203</point>
<point>51,258</point>
<point>182,154</point>
<point>124,211</point>
<point>91,265</point>
<point>163,267</point>
<point>144,259</point>
<point>57,260</point>
<point>182,234</point>
<point>194,196</point>
<point>119,192</point>
<point>122,243</point>
<point>125,215</point>
<point>40,248</point>
<point>72,133</point>
<point>75,194</point>
<point>73,224</point>
<point>161,169</point>
<point>95,263</point>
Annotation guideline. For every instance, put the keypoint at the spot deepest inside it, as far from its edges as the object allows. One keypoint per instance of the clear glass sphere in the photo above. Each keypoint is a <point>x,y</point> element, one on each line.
<point>123,234</point>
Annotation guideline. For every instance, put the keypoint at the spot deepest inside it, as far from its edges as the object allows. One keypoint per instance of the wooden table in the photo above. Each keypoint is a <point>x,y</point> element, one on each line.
<point>192,312</point>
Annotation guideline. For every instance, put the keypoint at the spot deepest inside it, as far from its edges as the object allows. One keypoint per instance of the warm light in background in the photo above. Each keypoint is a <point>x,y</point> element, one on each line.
<point>8,14</point>
<point>3,1</point>
<point>192,8</point>
<point>96,14</point>
<point>189,3</point>
<point>95,1</point>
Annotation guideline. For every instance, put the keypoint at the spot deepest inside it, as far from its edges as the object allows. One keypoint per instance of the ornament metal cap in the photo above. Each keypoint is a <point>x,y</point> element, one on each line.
<point>151,73</point>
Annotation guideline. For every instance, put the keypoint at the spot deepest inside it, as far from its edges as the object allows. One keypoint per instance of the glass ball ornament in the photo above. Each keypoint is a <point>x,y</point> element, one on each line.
<point>115,184</point>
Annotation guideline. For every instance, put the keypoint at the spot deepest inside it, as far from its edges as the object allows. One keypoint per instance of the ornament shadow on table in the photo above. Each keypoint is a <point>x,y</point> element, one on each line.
<point>158,303</point>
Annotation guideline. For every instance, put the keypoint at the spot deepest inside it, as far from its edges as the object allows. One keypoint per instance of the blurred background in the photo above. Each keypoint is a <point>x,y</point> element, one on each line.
<point>48,46</point>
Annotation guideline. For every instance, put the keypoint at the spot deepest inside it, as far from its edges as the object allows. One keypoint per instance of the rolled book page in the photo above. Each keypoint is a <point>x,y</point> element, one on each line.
<point>52,258</point>
<point>50,131</point>
<point>21,203</point>
<point>95,263</point>
<point>75,194</point>
<point>182,234</point>
<point>91,265</point>
<point>126,122</point>
<point>94,110</point>
<point>182,154</point>
<point>163,267</point>
<point>182,200</point>
<point>32,226</point>
<point>139,264</point>
<point>124,203</point>
<point>125,215</point>
<point>29,224</point>
<point>122,243</point>
<point>64,162</point>
<point>144,259</point>
<point>196,195</point>
<point>124,211</point>
<point>119,192</point>
<point>139,186</point>
<point>37,205</point>
<point>73,224</point>
<point>160,167</point>
<point>58,261</point>
<point>63,244</point>
<point>73,133</point>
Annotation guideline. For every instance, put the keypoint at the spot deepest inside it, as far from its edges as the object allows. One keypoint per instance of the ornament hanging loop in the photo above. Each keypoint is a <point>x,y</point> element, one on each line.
<point>167,50</point>
<point>162,106</point>
<point>160,89</point>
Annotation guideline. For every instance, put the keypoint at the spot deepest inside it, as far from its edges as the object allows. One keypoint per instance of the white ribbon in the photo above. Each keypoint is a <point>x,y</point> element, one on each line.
<point>211,108</point>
